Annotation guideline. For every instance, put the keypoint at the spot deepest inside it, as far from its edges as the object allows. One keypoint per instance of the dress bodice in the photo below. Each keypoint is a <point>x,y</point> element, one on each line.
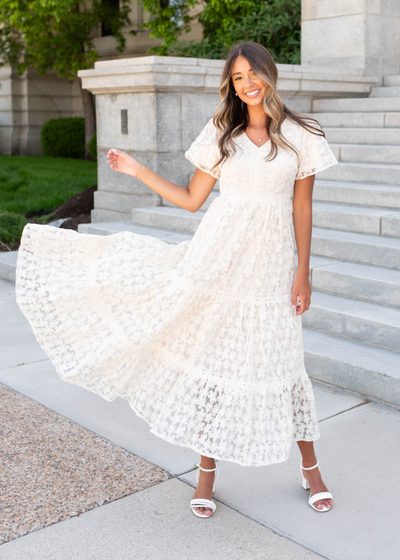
<point>246,174</point>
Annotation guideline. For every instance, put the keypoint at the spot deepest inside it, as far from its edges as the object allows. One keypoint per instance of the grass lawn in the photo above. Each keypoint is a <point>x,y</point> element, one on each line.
<point>34,183</point>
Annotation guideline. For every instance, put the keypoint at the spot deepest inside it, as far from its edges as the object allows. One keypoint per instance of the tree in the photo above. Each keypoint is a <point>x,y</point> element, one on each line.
<point>169,19</point>
<point>57,34</point>
<point>273,23</point>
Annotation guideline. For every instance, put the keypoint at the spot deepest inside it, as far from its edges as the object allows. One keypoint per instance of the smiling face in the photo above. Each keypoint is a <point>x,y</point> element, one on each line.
<point>247,84</point>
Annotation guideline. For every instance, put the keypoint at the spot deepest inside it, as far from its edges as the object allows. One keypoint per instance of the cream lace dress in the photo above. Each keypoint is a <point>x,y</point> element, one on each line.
<point>199,337</point>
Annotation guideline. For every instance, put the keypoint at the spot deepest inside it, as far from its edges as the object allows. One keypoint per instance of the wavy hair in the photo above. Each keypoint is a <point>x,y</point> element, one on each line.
<point>231,116</point>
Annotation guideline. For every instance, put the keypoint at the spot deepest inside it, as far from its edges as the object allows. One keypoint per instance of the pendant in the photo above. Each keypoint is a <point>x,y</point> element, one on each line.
<point>259,139</point>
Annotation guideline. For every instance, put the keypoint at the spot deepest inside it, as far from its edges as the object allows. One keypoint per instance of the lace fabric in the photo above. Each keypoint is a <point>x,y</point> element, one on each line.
<point>199,337</point>
<point>204,152</point>
<point>315,155</point>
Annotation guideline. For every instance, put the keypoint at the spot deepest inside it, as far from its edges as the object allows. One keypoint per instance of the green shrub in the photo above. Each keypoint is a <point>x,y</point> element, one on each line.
<point>11,226</point>
<point>64,137</point>
<point>93,146</point>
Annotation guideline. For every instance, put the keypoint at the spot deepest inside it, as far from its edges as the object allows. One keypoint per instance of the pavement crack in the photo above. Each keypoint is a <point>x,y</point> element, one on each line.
<point>25,364</point>
<point>346,410</point>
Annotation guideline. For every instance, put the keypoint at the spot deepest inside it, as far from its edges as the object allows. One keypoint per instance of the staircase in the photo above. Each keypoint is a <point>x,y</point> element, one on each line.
<point>352,329</point>
<point>351,332</point>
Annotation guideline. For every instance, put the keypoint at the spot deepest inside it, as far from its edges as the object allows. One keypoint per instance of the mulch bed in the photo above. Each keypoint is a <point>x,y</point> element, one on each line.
<point>77,209</point>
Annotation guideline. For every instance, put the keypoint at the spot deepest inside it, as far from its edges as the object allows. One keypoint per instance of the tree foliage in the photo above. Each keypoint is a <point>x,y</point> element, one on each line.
<point>56,34</point>
<point>169,19</point>
<point>273,23</point>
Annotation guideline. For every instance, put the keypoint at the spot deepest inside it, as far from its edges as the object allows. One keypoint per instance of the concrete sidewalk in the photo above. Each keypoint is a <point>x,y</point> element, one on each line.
<point>262,512</point>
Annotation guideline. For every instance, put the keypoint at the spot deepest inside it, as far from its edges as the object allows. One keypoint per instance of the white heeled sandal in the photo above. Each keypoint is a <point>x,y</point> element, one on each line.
<point>203,502</point>
<point>315,497</point>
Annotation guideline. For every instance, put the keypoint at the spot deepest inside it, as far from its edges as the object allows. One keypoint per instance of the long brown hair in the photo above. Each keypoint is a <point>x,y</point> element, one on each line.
<point>231,117</point>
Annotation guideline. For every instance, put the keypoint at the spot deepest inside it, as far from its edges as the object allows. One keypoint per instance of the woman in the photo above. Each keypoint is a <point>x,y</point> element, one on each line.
<point>203,338</point>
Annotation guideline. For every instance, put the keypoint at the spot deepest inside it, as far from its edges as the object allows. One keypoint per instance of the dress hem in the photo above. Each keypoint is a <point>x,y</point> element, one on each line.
<point>192,447</point>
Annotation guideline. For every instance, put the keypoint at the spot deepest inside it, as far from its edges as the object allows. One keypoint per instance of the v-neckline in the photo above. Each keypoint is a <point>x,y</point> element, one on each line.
<point>251,141</point>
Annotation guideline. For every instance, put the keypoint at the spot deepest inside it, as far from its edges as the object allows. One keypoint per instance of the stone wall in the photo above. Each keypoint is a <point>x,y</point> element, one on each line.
<point>361,34</point>
<point>27,102</point>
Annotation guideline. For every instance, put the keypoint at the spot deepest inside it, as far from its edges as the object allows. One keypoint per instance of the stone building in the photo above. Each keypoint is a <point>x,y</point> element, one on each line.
<point>30,100</point>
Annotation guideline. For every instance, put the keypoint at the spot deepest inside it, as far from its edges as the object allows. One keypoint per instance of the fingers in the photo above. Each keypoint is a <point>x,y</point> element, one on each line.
<point>302,305</point>
<point>112,158</point>
<point>113,154</point>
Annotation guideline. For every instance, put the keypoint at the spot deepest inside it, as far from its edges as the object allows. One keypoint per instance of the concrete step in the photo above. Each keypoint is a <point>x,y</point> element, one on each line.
<point>363,248</point>
<point>108,228</point>
<point>342,192</point>
<point>355,104</point>
<point>371,371</point>
<point>378,173</point>
<point>123,202</point>
<point>391,80</point>
<point>362,282</point>
<point>213,194</point>
<point>360,248</point>
<point>368,153</point>
<point>384,136</point>
<point>168,218</point>
<point>359,219</point>
<point>8,263</point>
<point>385,91</point>
<point>358,119</point>
<point>361,321</point>
<point>361,194</point>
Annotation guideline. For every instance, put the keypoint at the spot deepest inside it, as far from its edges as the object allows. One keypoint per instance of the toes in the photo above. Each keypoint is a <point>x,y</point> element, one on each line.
<point>203,511</point>
<point>322,503</point>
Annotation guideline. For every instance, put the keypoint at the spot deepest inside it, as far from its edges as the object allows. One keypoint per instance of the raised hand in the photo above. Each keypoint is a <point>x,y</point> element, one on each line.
<point>120,161</point>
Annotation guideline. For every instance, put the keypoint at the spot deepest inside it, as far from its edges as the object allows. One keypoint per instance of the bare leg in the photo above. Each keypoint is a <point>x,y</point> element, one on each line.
<point>313,476</point>
<point>205,485</point>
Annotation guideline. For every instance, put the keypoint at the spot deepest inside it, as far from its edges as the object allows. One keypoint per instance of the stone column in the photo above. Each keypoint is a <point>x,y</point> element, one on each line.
<point>151,108</point>
<point>359,34</point>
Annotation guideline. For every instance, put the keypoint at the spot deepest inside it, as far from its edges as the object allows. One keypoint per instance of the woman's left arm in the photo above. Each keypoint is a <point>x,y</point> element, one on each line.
<point>302,221</point>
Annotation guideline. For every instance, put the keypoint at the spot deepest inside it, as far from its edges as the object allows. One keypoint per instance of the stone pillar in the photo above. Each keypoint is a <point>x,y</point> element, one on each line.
<point>359,34</point>
<point>151,108</point>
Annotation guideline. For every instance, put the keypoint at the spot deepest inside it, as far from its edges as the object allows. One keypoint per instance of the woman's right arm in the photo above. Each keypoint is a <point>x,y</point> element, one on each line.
<point>191,198</point>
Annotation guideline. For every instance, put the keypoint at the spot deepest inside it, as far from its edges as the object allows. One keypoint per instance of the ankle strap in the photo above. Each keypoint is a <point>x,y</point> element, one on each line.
<point>207,470</point>
<point>309,468</point>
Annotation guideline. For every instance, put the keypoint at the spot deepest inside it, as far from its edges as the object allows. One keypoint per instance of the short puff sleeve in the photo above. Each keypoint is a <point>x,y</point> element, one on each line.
<point>204,151</point>
<point>315,154</point>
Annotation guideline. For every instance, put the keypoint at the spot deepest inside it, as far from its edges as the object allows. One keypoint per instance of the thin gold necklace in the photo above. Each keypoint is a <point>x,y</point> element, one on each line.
<point>260,139</point>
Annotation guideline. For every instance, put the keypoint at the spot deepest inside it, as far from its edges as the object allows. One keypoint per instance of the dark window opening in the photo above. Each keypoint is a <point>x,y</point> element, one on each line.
<point>105,25</point>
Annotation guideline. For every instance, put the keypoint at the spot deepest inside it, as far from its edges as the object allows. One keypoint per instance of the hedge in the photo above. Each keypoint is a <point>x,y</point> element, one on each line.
<point>64,137</point>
